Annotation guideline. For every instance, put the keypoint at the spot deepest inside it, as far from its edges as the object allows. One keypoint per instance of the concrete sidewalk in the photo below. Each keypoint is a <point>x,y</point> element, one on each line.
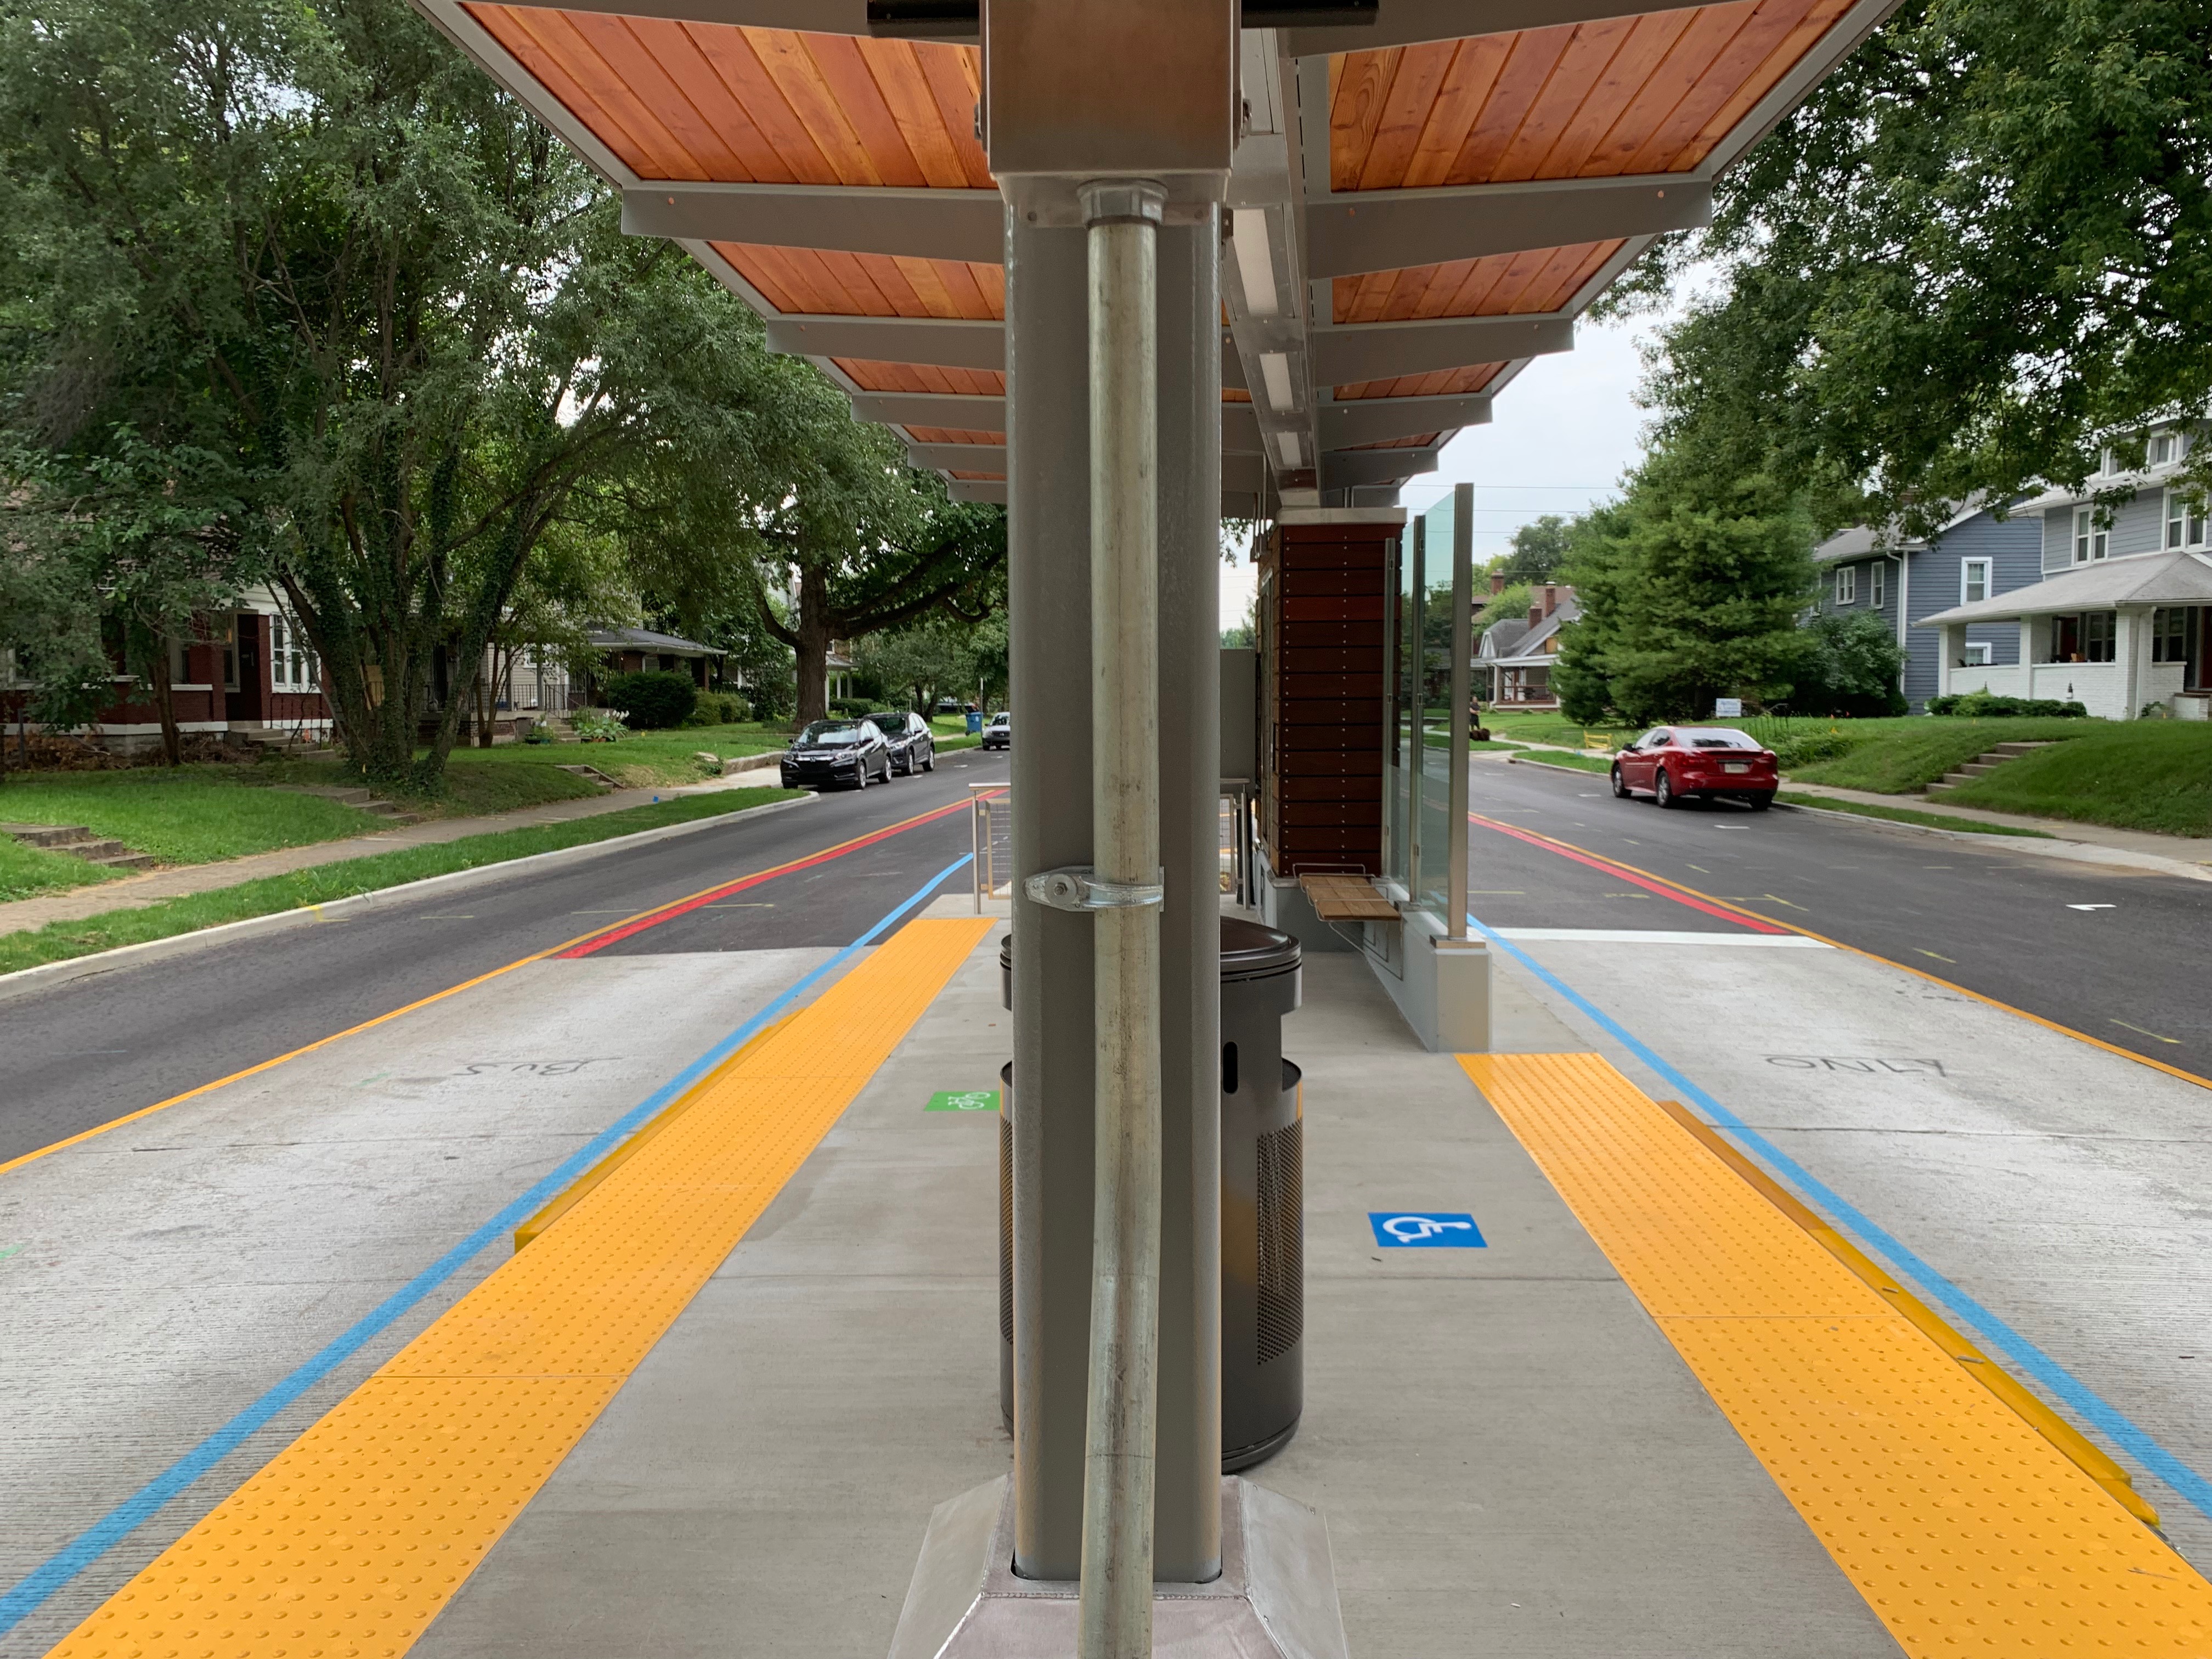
<point>1511,1456</point>
<point>136,892</point>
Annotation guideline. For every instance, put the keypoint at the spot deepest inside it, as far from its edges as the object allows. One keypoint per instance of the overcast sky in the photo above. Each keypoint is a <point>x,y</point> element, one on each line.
<point>1560,438</point>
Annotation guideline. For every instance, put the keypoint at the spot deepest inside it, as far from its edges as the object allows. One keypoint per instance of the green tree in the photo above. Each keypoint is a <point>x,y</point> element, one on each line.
<point>54,668</point>
<point>316,243</point>
<point>1980,253</point>
<point>1688,592</point>
<point>918,664</point>
<point>1540,548</point>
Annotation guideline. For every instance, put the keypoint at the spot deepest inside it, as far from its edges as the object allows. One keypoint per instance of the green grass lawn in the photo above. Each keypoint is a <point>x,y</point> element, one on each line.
<point>1905,815</point>
<point>2135,775</point>
<point>638,761</point>
<point>1902,756</point>
<point>61,941</point>
<point>26,871</point>
<point>1599,763</point>
<point>191,815</point>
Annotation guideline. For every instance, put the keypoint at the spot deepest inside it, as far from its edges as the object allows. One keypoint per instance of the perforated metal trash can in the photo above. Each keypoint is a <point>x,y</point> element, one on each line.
<point>1263,1290</point>
<point>1262,1197</point>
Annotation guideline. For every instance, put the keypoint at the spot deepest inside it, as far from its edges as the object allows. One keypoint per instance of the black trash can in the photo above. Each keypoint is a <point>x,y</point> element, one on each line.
<point>1262,1198</point>
<point>1263,1292</point>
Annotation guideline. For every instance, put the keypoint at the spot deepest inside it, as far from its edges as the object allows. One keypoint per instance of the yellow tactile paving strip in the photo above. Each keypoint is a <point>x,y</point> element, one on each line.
<point>350,1541</point>
<point>1966,1531</point>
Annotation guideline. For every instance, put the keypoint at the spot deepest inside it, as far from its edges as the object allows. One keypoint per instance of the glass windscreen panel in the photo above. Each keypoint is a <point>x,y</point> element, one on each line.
<point>1402,743</point>
<point>1432,692</point>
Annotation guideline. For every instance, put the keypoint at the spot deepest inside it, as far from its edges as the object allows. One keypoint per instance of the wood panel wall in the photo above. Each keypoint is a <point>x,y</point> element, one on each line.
<point>1322,600</point>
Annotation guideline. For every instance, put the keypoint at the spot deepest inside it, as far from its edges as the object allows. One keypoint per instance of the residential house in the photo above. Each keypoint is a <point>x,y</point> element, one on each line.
<point>245,675</point>
<point>2121,620</point>
<point>1975,556</point>
<point>1513,663</point>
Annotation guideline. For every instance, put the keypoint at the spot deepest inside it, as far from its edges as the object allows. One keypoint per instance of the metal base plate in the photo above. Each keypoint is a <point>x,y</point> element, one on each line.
<point>1276,1597</point>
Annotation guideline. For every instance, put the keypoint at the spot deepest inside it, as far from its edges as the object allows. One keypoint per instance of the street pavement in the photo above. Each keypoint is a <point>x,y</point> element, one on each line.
<point>93,1048</point>
<point>2115,953</point>
<point>2043,1193</point>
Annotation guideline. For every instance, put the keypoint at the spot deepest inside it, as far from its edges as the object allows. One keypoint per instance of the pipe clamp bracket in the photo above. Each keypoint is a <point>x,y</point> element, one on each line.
<point>1078,888</point>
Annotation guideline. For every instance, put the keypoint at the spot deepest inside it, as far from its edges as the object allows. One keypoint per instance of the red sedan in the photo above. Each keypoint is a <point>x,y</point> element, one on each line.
<point>1673,763</point>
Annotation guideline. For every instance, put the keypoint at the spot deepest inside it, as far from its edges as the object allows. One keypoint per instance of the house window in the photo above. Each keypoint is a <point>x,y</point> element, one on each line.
<point>2161,449</point>
<point>1974,581</point>
<point>1978,653</point>
<point>1877,578</point>
<point>1847,584</point>
<point>230,653</point>
<point>2091,540</point>
<point>2097,631</point>
<point>292,665</point>
<point>2185,520</point>
<point>2169,634</point>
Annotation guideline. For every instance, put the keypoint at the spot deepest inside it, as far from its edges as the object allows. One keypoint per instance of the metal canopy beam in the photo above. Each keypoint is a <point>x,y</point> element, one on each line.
<point>952,411</point>
<point>1351,469</point>
<point>1410,22</point>
<point>938,342</point>
<point>919,224</point>
<point>1375,419</point>
<point>1355,233</point>
<point>957,458</point>
<point>1381,351</point>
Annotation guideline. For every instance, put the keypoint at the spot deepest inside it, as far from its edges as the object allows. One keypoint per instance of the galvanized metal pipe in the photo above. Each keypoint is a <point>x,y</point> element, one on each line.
<point>1122,219</point>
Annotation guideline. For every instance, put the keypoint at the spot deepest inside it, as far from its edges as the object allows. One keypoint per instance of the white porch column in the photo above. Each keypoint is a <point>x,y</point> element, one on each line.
<point>1952,645</point>
<point>2028,654</point>
<point>2131,641</point>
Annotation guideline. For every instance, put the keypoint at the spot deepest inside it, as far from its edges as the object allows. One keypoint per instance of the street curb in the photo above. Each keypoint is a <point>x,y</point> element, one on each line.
<point>23,981</point>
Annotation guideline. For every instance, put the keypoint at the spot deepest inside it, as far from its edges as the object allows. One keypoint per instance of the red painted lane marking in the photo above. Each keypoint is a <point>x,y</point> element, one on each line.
<point>1757,923</point>
<point>622,931</point>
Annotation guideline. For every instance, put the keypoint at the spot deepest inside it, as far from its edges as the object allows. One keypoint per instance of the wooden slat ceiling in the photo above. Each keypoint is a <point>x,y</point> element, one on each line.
<point>750,106</point>
<point>713,102</point>
<point>1653,93</point>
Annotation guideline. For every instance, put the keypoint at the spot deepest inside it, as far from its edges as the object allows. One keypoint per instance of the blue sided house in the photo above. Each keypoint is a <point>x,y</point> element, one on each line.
<point>1976,557</point>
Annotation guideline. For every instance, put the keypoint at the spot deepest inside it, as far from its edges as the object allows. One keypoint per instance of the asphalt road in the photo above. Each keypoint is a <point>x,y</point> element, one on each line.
<point>92,1049</point>
<point>2119,955</point>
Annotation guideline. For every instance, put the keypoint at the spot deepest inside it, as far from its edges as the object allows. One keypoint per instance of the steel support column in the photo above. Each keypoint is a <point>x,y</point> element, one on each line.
<point>1048,436</point>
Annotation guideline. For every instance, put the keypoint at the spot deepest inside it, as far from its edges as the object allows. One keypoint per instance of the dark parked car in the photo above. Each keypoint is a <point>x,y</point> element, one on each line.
<point>913,748</point>
<point>1000,733</point>
<point>836,752</point>
<point>1674,763</point>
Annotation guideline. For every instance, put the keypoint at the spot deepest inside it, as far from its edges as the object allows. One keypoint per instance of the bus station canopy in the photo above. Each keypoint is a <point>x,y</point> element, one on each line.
<point>1422,200</point>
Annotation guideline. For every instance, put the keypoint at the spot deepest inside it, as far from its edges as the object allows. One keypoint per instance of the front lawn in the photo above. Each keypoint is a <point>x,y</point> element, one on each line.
<point>638,760</point>
<point>1904,755</point>
<point>2135,775</point>
<point>27,872</point>
<point>61,941</point>
<point>1905,815</point>
<point>1599,763</point>
<point>190,815</point>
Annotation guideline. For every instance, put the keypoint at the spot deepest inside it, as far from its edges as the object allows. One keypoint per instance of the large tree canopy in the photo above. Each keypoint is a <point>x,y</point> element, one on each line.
<point>1980,250</point>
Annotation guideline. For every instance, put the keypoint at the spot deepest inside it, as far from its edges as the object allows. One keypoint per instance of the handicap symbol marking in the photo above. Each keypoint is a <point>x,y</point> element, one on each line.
<point>1426,1229</point>
<point>982,1100</point>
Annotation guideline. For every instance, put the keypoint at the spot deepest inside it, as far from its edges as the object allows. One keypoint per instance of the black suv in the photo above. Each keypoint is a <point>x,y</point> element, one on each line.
<point>836,752</point>
<point>913,748</point>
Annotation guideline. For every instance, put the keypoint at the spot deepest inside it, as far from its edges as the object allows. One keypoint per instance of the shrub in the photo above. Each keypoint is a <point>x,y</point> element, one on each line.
<point>654,700</point>
<point>1812,748</point>
<point>597,725</point>
<point>1983,705</point>
<point>1851,667</point>
<point>855,706</point>
<point>719,709</point>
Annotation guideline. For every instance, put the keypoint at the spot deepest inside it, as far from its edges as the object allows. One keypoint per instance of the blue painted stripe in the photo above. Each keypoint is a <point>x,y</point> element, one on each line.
<point>103,1535</point>
<point>2122,1430</point>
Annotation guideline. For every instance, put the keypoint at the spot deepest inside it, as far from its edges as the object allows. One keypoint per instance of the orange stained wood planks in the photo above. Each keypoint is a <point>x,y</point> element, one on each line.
<point>870,375</point>
<point>1437,383</point>
<point>1501,285</point>
<point>1652,93</point>
<point>825,283</point>
<point>709,100</point>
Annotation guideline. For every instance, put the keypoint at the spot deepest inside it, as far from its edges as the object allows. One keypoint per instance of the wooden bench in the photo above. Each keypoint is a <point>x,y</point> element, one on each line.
<point>1342,897</point>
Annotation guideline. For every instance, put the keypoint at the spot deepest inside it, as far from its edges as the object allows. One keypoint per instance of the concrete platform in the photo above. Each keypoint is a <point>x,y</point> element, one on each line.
<point>1511,1456</point>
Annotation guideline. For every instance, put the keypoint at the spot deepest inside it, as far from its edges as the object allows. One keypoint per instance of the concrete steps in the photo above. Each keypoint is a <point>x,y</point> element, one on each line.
<point>79,842</point>
<point>594,775</point>
<point>363,799</point>
<point>1983,764</point>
